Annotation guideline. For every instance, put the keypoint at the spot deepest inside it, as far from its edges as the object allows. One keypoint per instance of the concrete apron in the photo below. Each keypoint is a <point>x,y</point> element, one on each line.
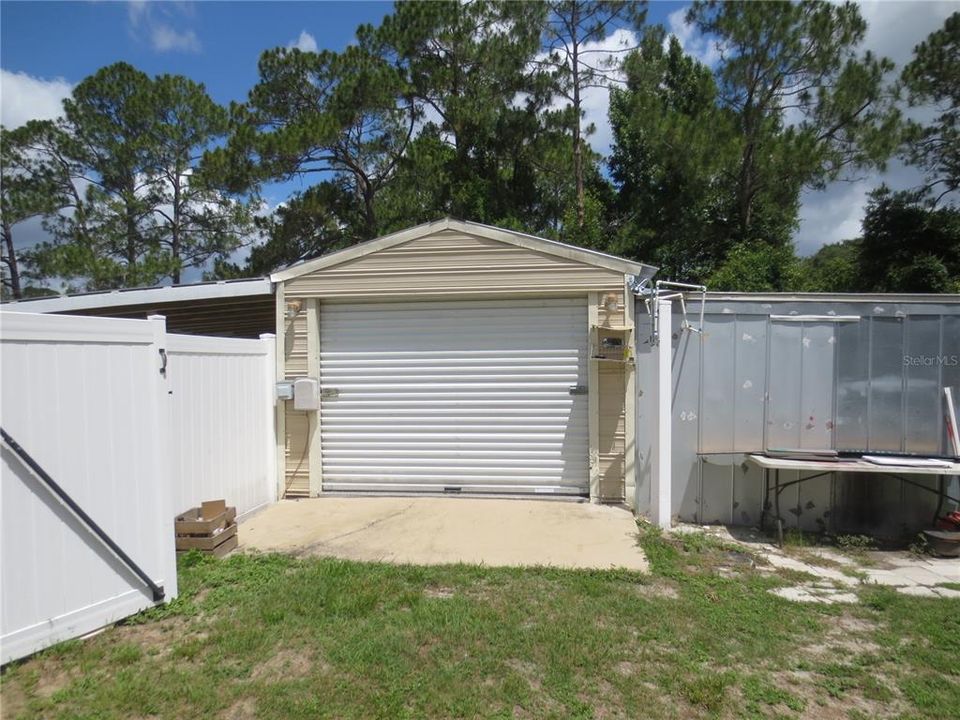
<point>437,530</point>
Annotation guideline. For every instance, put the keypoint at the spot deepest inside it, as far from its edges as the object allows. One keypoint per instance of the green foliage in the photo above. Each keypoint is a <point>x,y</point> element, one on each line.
<point>833,268</point>
<point>35,181</point>
<point>573,67</point>
<point>128,151</point>
<point>672,202</point>
<point>475,110</point>
<point>933,77</point>
<point>805,107</point>
<point>756,267</point>
<point>908,246</point>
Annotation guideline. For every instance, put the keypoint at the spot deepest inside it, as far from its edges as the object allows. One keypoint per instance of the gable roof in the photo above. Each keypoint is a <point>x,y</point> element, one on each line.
<point>511,237</point>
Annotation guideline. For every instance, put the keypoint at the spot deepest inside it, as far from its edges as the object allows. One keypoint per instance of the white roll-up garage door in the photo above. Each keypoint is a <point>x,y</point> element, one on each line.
<point>471,396</point>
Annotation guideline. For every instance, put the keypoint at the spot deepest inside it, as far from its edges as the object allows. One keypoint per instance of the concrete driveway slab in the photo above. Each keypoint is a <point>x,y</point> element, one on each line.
<point>435,531</point>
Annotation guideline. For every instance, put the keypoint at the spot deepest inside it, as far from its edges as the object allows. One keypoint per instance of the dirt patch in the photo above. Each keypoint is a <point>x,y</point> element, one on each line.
<point>818,706</point>
<point>656,590</point>
<point>439,593</point>
<point>287,665</point>
<point>243,709</point>
<point>156,638</point>
<point>847,635</point>
<point>626,668</point>
<point>528,671</point>
<point>13,699</point>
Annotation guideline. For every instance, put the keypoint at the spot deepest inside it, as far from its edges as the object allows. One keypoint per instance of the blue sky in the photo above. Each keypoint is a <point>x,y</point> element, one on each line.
<point>47,47</point>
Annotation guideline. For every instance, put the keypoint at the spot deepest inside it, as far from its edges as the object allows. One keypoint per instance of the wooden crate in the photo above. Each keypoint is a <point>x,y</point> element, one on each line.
<point>216,535</point>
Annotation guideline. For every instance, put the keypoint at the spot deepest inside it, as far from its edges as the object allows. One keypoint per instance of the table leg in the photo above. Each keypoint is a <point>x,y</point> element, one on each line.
<point>766,498</point>
<point>941,494</point>
<point>776,504</point>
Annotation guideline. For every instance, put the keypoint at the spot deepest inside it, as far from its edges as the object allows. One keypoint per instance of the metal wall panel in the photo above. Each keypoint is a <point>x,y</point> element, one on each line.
<point>749,386</point>
<point>687,421</point>
<point>464,394</point>
<point>817,385</point>
<point>847,385</point>
<point>852,385</point>
<point>717,372</point>
<point>921,361</point>
<point>886,400</point>
<point>784,387</point>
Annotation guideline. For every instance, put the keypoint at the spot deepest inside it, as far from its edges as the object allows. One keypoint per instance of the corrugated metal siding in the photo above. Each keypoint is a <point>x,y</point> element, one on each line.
<point>451,262</point>
<point>467,394</point>
<point>876,384</point>
<point>242,317</point>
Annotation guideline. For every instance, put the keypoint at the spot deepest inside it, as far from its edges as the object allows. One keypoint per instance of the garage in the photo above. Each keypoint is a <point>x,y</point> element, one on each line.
<point>461,396</point>
<point>461,359</point>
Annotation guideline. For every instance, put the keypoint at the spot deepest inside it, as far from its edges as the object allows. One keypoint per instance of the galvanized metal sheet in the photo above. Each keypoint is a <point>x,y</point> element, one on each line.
<point>716,486</point>
<point>886,398</point>
<point>750,380</point>
<point>816,386</point>
<point>687,349</point>
<point>747,492</point>
<point>717,375</point>
<point>922,363</point>
<point>784,385</point>
<point>852,385</point>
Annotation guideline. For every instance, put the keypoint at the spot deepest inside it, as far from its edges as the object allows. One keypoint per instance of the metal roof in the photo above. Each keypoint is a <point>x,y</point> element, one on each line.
<point>143,296</point>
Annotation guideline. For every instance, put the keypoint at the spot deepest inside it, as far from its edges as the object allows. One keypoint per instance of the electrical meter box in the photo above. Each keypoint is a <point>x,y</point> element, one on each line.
<point>284,390</point>
<point>306,394</point>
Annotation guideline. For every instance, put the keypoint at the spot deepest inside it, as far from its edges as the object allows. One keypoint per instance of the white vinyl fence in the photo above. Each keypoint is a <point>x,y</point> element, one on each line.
<point>222,438</point>
<point>134,436</point>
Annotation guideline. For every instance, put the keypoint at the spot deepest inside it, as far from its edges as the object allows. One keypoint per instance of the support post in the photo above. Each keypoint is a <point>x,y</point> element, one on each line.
<point>269,341</point>
<point>163,443</point>
<point>660,487</point>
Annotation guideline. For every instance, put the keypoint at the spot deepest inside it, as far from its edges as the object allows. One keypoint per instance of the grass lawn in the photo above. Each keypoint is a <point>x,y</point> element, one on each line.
<point>273,636</point>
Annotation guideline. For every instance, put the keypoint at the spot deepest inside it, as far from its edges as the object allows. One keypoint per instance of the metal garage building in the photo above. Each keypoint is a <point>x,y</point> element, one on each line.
<point>457,357</point>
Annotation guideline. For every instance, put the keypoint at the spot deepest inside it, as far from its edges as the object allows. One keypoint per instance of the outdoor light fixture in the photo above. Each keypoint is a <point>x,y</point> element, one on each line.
<point>293,309</point>
<point>610,303</point>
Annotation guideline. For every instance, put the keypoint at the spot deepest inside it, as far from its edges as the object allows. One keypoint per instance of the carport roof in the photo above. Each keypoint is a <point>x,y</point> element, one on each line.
<point>512,237</point>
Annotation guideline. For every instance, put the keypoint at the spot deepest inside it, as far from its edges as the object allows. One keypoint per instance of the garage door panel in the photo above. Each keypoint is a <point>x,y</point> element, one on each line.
<point>471,395</point>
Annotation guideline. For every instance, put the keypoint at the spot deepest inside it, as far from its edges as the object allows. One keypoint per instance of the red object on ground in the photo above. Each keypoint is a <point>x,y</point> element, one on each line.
<point>950,521</point>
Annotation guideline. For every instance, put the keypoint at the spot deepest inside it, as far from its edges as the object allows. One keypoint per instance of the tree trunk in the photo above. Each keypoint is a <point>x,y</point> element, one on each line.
<point>15,289</point>
<point>577,141</point>
<point>175,232</point>
<point>369,214</point>
<point>130,219</point>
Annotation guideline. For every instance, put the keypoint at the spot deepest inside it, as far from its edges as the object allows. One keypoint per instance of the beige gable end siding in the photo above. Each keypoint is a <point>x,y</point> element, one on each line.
<point>455,263</point>
<point>452,262</point>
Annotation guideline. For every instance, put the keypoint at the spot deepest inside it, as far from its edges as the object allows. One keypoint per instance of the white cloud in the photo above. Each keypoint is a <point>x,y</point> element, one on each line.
<point>835,213</point>
<point>691,40</point>
<point>164,38</point>
<point>305,43</point>
<point>595,101</point>
<point>155,21</point>
<point>24,97</point>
